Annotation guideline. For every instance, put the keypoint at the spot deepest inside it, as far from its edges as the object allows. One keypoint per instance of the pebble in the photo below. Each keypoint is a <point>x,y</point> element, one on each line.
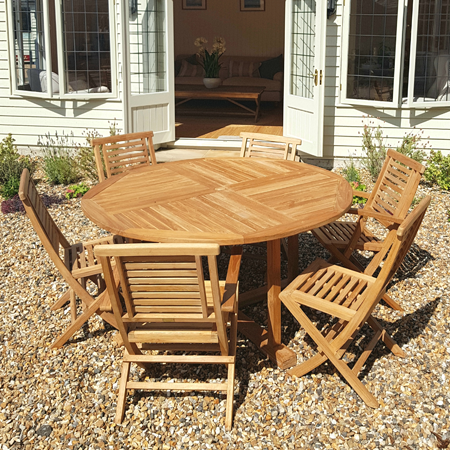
<point>66,399</point>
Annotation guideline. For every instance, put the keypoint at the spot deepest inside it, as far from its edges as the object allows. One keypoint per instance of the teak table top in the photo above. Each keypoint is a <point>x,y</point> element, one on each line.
<point>229,201</point>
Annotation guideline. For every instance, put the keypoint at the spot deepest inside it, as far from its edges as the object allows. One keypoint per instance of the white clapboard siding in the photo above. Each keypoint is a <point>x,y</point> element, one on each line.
<point>28,118</point>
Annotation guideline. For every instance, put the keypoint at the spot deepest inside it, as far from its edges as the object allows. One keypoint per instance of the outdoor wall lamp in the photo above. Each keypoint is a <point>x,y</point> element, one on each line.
<point>133,7</point>
<point>331,8</point>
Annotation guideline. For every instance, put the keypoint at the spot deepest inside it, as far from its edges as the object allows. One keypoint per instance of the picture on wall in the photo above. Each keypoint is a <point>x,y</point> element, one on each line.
<point>252,5</point>
<point>194,4</point>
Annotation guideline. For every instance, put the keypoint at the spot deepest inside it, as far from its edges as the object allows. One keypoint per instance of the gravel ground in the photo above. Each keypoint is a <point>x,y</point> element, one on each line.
<point>65,399</point>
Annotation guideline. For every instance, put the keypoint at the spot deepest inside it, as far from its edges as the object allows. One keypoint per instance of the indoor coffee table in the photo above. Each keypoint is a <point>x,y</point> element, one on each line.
<point>229,201</point>
<point>186,92</point>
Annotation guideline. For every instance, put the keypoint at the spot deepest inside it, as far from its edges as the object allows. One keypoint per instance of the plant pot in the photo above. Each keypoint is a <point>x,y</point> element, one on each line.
<point>211,83</point>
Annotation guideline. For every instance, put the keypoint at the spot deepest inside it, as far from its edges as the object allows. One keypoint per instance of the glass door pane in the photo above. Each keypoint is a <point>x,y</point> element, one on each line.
<point>147,35</point>
<point>303,48</point>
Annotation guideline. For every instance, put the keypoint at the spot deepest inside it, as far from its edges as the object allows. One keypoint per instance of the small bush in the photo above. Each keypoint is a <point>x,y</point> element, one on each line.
<point>77,190</point>
<point>373,149</point>
<point>412,147</point>
<point>86,157</point>
<point>59,165</point>
<point>350,172</point>
<point>438,170</point>
<point>11,167</point>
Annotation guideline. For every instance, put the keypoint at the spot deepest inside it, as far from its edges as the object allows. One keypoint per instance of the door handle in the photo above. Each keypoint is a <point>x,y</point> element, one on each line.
<point>321,77</point>
<point>315,77</point>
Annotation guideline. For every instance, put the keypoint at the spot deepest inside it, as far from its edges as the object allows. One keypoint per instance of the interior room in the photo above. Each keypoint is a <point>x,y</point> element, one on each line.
<point>253,31</point>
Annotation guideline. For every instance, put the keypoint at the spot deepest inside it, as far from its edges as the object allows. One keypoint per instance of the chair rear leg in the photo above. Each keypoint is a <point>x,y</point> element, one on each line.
<point>230,397</point>
<point>73,306</point>
<point>122,396</point>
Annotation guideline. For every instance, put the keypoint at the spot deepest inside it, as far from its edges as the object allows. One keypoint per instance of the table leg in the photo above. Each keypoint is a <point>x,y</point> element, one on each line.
<point>292,257</point>
<point>269,341</point>
<point>273,292</point>
<point>258,104</point>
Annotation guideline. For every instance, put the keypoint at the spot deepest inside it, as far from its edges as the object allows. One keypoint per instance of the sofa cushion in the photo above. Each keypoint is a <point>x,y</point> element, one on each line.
<point>243,68</point>
<point>190,70</point>
<point>192,59</point>
<point>271,66</point>
<point>270,85</point>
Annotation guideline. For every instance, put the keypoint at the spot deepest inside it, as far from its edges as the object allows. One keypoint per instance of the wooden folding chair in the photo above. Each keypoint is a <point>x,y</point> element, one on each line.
<point>350,297</point>
<point>121,152</point>
<point>257,145</point>
<point>388,203</point>
<point>170,307</point>
<point>77,266</point>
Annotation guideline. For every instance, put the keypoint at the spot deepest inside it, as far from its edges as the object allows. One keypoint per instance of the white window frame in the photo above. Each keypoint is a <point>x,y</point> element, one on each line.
<point>410,103</point>
<point>63,95</point>
<point>399,56</point>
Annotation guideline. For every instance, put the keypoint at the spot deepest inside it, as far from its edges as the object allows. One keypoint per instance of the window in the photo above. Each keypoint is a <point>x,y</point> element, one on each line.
<point>395,54</point>
<point>70,40</point>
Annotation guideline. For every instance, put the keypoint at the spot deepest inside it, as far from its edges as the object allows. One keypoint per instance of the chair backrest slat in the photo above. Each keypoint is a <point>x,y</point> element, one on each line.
<point>44,225</point>
<point>396,185</point>
<point>256,145</point>
<point>159,287</point>
<point>123,152</point>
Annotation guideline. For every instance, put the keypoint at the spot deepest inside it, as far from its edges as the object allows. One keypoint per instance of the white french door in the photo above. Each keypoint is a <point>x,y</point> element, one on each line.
<point>149,98</point>
<point>304,79</point>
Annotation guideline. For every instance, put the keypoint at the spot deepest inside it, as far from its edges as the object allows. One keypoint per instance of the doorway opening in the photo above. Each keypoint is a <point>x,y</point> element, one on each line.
<point>254,40</point>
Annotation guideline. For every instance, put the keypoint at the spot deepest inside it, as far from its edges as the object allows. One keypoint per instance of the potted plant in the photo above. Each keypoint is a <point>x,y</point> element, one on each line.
<point>210,60</point>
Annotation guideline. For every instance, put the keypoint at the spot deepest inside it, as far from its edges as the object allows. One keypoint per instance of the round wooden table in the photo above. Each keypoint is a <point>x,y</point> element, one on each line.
<point>229,201</point>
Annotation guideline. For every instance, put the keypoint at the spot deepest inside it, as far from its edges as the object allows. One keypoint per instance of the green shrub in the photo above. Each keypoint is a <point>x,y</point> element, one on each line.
<point>76,190</point>
<point>59,165</point>
<point>373,149</point>
<point>350,172</point>
<point>86,157</point>
<point>11,167</point>
<point>412,147</point>
<point>438,170</point>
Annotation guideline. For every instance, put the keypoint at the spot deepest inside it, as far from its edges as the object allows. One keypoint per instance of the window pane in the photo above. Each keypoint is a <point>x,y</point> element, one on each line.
<point>372,41</point>
<point>29,49</point>
<point>303,51</point>
<point>147,29</point>
<point>87,57</point>
<point>432,80</point>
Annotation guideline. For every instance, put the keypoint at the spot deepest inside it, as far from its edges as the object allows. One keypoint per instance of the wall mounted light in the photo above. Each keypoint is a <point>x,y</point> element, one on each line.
<point>331,8</point>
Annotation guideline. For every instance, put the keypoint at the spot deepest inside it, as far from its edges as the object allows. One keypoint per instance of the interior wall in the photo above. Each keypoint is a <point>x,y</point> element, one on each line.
<point>247,33</point>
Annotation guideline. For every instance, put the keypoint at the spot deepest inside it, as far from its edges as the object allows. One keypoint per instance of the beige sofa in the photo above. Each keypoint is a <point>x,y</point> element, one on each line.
<point>235,71</point>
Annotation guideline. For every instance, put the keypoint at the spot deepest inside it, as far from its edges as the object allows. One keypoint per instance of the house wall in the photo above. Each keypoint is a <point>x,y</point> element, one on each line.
<point>28,118</point>
<point>343,124</point>
<point>247,33</point>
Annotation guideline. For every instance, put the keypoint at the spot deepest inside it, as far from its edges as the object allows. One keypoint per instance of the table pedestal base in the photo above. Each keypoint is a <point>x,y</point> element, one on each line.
<point>282,356</point>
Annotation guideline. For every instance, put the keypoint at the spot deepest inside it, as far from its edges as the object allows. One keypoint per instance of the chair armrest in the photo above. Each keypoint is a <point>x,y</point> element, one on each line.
<point>379,216</point>
<point>361,194</point>
<point>231,283</point>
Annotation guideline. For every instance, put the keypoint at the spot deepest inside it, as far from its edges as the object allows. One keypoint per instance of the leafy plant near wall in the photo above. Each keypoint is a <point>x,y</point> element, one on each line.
<point>76,190</point>
<point>59,165</point>
<point>11,167</point>
<point>86,157</point>
<point>438,170</point>
<point>351,174</point>
<point>373,148</point>
<point>412,146</point>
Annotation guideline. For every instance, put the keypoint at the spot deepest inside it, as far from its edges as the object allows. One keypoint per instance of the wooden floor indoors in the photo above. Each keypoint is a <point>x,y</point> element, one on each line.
<point>190,125</point>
